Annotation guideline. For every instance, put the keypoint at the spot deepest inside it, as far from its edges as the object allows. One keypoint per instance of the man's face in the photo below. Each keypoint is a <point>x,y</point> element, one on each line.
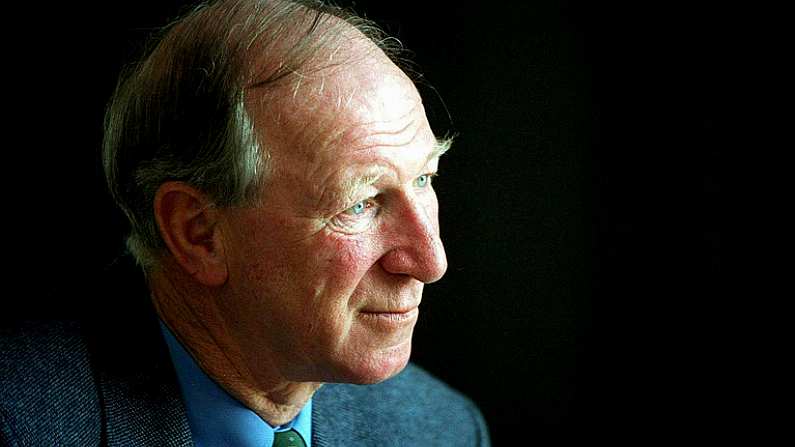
<point>326,276</point>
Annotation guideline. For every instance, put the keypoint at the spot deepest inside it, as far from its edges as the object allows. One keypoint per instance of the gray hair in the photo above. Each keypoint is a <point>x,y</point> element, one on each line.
<point>180,113</point>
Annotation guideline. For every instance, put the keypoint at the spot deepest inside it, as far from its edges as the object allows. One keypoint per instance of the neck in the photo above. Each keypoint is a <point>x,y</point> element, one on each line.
<point>189,310</point>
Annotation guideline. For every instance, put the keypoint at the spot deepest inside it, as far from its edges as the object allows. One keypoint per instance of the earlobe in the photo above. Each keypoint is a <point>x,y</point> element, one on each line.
<point>188,224</point>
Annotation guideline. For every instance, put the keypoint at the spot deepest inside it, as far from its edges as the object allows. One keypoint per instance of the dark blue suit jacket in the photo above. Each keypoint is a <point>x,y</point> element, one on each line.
<point>109,381</point>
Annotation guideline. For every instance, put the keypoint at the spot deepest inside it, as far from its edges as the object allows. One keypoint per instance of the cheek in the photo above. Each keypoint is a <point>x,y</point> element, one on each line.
<point>264,266</point>
<point>347,259</point>
<point>339,286</point>
<point>313,275</point>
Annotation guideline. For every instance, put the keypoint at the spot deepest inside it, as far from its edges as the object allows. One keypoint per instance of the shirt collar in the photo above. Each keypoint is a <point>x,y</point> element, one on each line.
<point>215,417</point>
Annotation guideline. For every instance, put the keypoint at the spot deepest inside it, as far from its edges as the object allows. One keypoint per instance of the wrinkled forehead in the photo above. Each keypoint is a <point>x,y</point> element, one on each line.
<point>349,94</point>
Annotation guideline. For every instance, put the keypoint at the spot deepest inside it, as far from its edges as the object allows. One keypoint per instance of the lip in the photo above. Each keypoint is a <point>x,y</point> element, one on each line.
<point>391,319</point>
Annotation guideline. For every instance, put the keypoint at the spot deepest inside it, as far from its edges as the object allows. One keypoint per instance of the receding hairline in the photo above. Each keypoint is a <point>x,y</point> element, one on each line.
<point>341,46</point>
<point>332,34</point>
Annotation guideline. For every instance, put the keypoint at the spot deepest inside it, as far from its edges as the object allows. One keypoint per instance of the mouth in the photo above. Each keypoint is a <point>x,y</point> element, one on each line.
<point>391,319</point>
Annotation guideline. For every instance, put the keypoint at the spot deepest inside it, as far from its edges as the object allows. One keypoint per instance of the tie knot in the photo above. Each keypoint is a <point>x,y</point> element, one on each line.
<point>289,438</point>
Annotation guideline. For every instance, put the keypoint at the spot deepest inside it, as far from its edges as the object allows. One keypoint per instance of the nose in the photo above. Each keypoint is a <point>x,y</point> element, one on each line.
<point>415,247</point>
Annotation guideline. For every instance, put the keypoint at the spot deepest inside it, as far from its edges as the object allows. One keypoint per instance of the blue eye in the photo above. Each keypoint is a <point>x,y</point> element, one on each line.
<point>422,181</point>
<point>357,218</point>
<point>358,208</point>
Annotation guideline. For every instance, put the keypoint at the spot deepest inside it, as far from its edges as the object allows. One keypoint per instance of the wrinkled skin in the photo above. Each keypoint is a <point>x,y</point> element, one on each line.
<point>328,273</point>
<point>322,279</point>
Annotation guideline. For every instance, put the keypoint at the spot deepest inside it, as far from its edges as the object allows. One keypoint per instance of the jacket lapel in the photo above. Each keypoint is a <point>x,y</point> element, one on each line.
<point>334,416</point>
<point>140,412</point>
<point>139,393</point>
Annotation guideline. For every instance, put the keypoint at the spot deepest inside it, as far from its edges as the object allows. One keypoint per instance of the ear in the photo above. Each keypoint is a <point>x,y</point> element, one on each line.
<point>188,224</point>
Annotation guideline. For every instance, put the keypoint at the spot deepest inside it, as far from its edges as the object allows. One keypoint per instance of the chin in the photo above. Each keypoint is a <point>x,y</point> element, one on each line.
<point>376,366</point>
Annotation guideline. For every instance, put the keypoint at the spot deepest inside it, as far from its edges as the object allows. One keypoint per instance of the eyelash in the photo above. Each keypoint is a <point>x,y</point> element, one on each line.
<point>366,203</point>
<point>370,206</point>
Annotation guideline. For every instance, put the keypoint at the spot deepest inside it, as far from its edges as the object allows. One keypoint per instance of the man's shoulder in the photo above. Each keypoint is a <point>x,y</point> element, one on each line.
<point>412,406</point>
<point>429,391</point>
<point>32,351</point>
<point>47,386</point>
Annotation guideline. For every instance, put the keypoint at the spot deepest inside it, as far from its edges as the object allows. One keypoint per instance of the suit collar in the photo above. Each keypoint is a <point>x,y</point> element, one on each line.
<point>138,411</point>
<point>140,398</point>
<point>335,416</point>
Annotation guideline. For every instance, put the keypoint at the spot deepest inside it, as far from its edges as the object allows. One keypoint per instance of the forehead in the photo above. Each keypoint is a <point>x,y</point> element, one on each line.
<point>362,101</point>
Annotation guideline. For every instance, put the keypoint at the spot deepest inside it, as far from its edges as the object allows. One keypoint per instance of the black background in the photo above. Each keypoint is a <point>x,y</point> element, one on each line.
<point>579,206</point>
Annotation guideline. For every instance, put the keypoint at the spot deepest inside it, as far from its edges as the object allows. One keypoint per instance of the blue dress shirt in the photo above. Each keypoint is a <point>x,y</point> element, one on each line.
<point>218,419</point>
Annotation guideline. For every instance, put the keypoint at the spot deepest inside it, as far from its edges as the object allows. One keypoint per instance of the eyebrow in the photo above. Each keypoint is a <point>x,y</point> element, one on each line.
<point>441,147</point>
<point>352,186</point>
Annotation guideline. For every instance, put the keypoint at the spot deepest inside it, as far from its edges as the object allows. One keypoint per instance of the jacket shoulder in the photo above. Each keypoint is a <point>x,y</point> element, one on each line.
<point>47,388</point>
<point>412,408</point>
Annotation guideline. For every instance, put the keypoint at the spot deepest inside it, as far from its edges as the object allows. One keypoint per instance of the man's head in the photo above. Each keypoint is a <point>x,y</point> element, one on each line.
<point>180,113</point>
<point>272,154</point>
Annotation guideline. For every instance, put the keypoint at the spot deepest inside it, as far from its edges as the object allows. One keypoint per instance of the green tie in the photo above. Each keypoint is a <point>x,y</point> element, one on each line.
<point>289,438</point>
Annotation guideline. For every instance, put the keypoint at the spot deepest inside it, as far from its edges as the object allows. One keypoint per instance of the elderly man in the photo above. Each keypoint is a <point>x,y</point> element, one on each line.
<point>276,168</point>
